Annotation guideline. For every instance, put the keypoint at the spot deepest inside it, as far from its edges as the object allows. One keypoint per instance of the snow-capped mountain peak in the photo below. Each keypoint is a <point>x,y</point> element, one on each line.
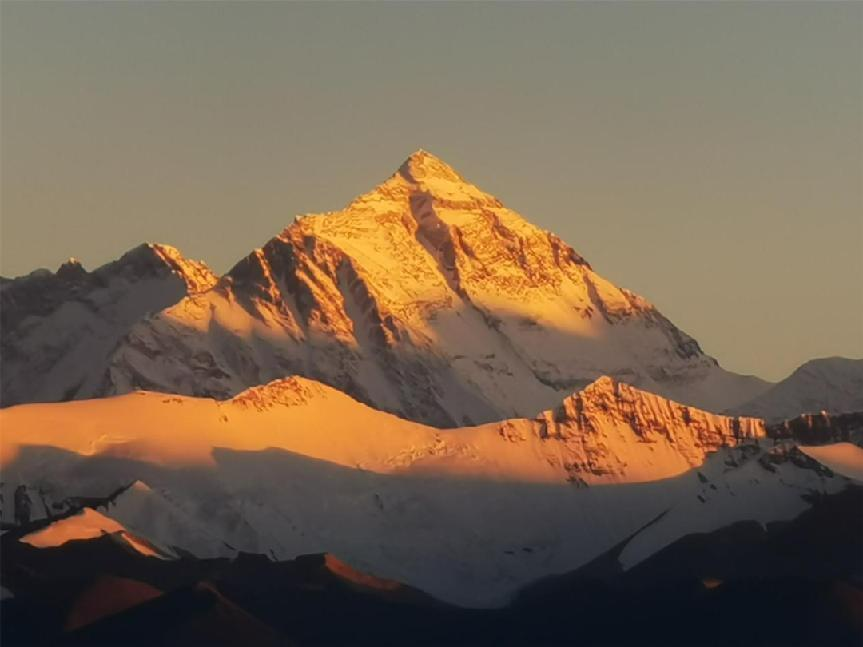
<point>421,179</point>
<point>159,258</point>
<point>468,514</point>
<point>610,431</point>
<point>59,328</point>
<point>428,298</point>
<point>421,165</point>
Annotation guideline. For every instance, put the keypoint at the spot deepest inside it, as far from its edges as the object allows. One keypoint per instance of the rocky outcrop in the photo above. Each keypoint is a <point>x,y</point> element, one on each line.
<point>609,429</point>
<point>831,384</point>
<point>294,467</point>
<point>59,328</point>
<point>288,392</point>
<point>820,428</point>
<point>425,297</point>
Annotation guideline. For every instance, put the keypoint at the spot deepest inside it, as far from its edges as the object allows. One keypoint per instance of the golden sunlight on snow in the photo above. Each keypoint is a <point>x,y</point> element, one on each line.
<point>607,433</point>
<point>348,573</point>
<point>87,524</point>
<point>843,458</point>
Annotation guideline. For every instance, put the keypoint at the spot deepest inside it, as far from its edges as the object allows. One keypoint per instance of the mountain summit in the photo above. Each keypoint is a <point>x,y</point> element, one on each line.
<point>58,329</point>
<point>421,165</point>
<point>425,297</point>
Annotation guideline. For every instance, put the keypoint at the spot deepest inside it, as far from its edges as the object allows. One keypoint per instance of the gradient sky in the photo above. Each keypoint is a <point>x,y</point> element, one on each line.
<point>707,156</point>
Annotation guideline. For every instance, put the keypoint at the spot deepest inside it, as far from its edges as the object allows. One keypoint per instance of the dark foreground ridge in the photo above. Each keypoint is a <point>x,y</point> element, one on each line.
<point>793,583</point>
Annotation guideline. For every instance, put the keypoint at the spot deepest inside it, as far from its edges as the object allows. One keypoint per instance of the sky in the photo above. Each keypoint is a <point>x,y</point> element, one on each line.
<point>708,156</point>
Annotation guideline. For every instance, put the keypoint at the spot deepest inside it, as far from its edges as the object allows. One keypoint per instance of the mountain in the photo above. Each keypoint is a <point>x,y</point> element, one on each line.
<point>820,428</point>
<point>831,384</point>
<point>425,297</point>
<point>746,583</point>
<point>58,329</point>
<point>87,523</point>
<point>79,592</point>
<point>468,514</point>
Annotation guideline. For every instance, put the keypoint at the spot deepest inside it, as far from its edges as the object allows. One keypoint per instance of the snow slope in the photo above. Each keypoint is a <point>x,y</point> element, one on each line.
<point>738,484</point>
<point>57,330</point>
<point>607,433</point>
<point>87,524</point>
<point>428,298</point>
<point>832,384</point>
<point>467,514</point>
<point>844,458</point>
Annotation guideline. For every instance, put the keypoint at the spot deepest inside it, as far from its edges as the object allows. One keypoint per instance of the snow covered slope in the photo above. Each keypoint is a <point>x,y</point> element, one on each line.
<point>467,514</point>
<point>832,384</point>
<point>88,524</point>
<point>428,298</point>
<point>843,458</point>
<point>57,330</point>
<point>746,484</point>
<point>607,433</point>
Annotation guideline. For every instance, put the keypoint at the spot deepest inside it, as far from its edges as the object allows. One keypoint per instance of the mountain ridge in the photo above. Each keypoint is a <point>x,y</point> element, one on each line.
<point>467,514</point>
<point>832,384</point>
<point>58,329</point>
<point>590,437</point>
<point>426,297</point>
<point>317,300</point>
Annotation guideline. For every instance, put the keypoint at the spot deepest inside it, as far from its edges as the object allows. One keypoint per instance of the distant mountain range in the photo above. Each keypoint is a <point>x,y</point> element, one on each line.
<point>421,414</point>
<point>467,514</point>
<point>425,297</point>
<point>832,384</point>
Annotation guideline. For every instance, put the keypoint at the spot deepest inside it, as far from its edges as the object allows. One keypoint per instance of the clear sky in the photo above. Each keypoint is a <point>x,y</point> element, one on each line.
<point>708,156</point>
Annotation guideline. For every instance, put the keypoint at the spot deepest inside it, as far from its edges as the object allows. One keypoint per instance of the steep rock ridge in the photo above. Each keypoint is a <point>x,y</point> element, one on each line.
<point>469,514</point>
<point>425,297</point>
<point>611,430</point>
<point>59,328</point>
<point>831,384</point>
<point>287,392</point>
<point>195,274</point>
<point>820,428</point>
<point>606,433</point>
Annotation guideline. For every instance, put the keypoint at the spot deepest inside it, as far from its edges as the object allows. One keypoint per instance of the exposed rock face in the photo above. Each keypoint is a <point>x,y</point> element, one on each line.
<point>287,392</point>
<point>58,329</point>
<point>425,297</point>
<point>820,428</point>
<point>790,453</point>
<point>610,430</point>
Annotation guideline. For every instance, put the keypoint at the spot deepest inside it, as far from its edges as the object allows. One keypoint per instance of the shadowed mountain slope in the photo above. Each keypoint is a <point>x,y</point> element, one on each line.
<point>792,583</point>
<point>833,385</point>
<point>58,329</point>
<point>467,514</point>
<point>428,298</point>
